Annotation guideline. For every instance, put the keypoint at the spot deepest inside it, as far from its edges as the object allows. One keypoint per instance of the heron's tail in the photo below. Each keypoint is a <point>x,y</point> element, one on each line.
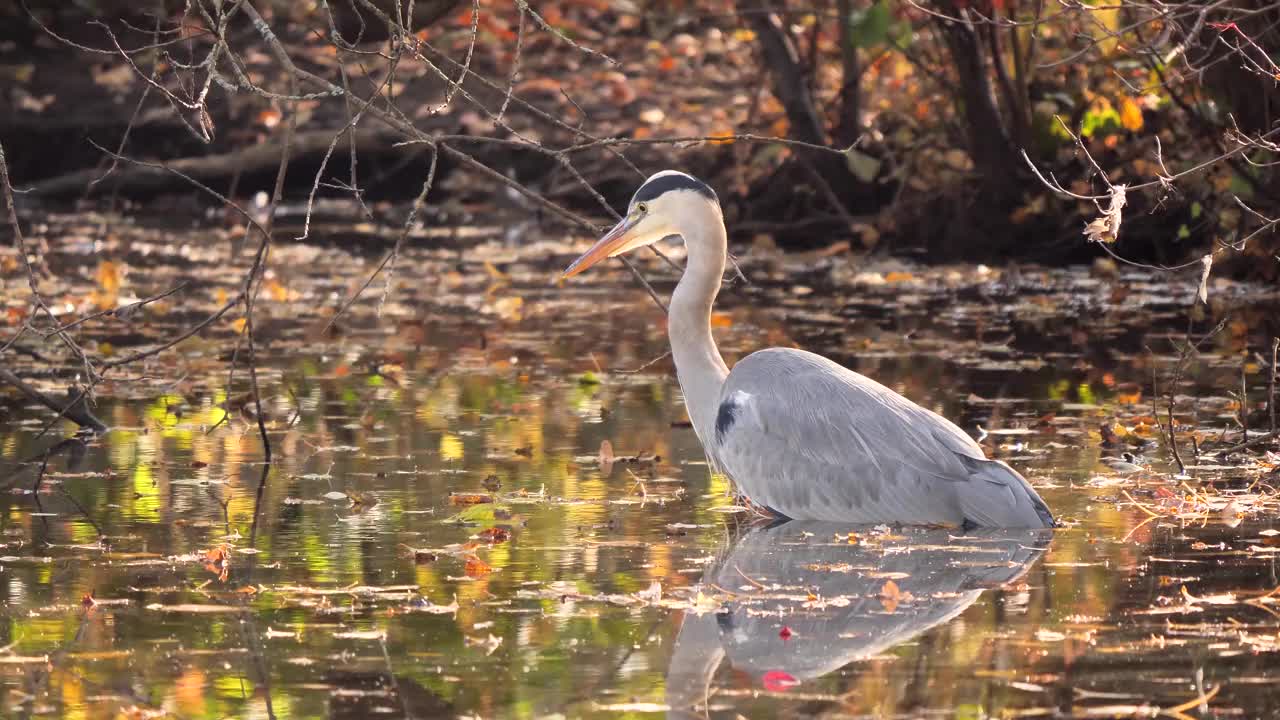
<point>997,496</point>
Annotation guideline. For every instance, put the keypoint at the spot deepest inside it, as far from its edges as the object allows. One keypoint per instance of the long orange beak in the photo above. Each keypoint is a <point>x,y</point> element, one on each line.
<point>615,242</point>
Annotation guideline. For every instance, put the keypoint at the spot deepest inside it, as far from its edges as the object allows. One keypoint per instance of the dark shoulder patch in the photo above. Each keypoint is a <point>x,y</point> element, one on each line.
<point>675,181</point>
<point>725,417</point>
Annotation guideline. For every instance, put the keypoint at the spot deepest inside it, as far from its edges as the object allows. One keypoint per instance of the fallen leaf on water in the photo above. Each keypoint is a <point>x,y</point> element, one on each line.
<point>606,457</point>
<point>361,635</point>
<point>195,608</point>
<point>477,567</point>
<point>890,594</point>
<point>469,498</point>
<point>651,594</point>
<point>217,560</point>
<point>1219,599</point>
<point>778,681</point>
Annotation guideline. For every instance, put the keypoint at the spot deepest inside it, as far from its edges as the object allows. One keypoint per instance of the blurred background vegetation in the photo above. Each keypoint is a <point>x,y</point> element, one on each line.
<point>929,108</point>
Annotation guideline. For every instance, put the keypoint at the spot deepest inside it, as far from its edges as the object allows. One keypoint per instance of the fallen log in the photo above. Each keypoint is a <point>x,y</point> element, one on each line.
<point>254,158</point>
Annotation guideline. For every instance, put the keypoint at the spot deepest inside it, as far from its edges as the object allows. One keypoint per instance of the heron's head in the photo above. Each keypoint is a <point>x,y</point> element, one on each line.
<point>657,210</point>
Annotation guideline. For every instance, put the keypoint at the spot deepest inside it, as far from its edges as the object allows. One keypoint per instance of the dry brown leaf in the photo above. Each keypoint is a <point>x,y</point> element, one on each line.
<point>1202,293</point>
<point>1106,227</point>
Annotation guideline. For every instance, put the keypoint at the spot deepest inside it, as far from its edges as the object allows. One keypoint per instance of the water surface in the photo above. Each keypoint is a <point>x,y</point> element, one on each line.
<point>162,570</point>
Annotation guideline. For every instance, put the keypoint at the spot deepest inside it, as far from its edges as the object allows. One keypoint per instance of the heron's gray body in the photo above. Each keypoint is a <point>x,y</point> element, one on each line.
<point>807,438</point>
<point>797,433</point>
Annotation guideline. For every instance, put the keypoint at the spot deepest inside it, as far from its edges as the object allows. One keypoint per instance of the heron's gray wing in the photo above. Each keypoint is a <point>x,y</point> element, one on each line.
<point>812,440</point>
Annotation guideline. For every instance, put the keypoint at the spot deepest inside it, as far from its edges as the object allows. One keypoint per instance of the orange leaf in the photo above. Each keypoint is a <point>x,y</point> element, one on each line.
<point>269,118</point>
<point>1130,115</point>
<point>721,137</point>
<point>469,498</point>
<point>495,534</point>
<point>889,595</point>
<point>109,277</point>
<point>477,567</point>
<point>218,561</point>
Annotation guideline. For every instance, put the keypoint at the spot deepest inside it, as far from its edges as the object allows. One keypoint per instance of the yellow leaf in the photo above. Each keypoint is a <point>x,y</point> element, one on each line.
<point>450,447</point>
<point>494,272</point>
<point>1130,115</point>
<point>278,292</point>
<point>109,277</point>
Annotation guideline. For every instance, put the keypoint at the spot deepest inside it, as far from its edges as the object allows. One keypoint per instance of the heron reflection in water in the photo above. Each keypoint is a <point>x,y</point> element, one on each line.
<point>938,576</point>
<point>801,436</point>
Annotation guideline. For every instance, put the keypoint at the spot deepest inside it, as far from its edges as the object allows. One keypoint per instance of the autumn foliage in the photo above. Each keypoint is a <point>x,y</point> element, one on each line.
<point>974,128</point>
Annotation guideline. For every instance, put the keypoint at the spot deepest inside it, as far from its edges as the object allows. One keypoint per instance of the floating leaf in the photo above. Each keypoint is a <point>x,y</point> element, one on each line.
<point>890,594</point>
<point>476,567</point>
<point>778,681</point>
<point>469,498</point>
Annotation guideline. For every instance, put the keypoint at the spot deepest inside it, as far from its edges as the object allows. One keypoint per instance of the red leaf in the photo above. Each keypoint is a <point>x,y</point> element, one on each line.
<point>778,681</point>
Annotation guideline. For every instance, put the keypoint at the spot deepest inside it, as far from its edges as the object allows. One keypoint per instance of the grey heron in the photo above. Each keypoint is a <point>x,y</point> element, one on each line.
<point>799,435</point>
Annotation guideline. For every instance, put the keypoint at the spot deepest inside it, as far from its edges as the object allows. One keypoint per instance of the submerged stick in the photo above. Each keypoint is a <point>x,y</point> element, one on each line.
<point>1244,399</point>
<point>74,408</point>
<point>1271,384</point>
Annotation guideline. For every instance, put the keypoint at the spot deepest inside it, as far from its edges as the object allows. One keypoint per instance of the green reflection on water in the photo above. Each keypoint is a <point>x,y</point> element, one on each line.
<point>363,478</point>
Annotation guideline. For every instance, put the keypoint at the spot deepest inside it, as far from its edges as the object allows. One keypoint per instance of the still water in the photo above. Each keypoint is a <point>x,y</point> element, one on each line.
<point>486,501</point>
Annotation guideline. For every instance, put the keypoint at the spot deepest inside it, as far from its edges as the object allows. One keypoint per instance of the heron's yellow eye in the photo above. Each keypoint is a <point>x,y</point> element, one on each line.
<point>642,208</point>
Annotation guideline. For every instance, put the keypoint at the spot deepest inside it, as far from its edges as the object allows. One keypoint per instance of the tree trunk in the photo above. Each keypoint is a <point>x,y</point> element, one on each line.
<point>791,87</point>
<point>994,155</point>
<point>783,61</point>
<point>849,127</point>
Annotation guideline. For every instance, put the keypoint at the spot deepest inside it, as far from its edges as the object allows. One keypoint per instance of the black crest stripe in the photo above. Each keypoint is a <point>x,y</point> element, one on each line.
<point>675,181</point>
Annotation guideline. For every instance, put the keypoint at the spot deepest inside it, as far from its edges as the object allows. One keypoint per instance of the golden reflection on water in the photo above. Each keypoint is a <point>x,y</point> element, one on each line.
<point>371,439</point>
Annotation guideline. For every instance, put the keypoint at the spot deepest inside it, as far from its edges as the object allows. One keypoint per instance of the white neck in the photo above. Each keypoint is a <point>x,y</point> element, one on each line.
<point>699,367</point>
